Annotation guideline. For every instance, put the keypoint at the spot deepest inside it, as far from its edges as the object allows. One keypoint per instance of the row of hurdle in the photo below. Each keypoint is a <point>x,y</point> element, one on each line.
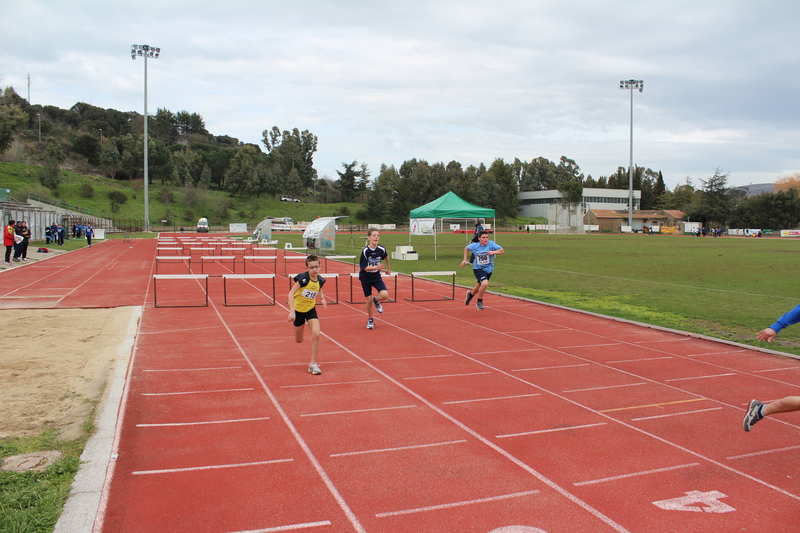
<point>269,294</point>
<point>239,262</point>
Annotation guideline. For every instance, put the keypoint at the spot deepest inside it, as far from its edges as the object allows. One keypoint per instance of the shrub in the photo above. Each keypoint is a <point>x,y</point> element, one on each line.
<point>86,190</point>
<point>117,197</point>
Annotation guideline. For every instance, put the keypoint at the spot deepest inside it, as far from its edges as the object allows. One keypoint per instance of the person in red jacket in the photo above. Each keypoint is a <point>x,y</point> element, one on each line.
<point>8,239</point>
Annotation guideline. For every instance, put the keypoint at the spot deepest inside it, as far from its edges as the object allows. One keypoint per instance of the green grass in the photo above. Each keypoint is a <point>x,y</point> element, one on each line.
<point>31,502</point>
<point>729,288</point>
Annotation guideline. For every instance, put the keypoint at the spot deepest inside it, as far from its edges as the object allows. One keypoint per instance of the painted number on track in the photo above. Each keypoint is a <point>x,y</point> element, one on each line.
<point>696,501</point>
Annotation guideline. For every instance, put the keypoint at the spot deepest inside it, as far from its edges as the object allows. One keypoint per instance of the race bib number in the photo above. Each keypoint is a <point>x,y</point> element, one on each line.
<point>482,259</point>
<point>311,295</point>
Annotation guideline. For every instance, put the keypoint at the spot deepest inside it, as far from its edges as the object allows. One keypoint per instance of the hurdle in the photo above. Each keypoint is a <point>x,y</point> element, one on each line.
<point>177,251</point>
<point>383,275</point>
<point>174,277</point>
<point>226,277</point>
<point>340,258</point>
<point>200,250</point>
<point>256,258</point>
<point>292,258</point>
<point>232,251</point>
<point>326,277</point>
<point>211,258</point>
<point>433,273</point>
<point>166,258</point>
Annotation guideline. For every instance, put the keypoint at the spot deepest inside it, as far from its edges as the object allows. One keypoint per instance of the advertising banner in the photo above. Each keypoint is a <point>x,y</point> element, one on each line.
<point>423,226</point>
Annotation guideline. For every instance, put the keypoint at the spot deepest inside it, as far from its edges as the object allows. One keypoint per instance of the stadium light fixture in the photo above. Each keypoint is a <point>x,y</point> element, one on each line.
<point>145,51</point>
<point>625,85</point>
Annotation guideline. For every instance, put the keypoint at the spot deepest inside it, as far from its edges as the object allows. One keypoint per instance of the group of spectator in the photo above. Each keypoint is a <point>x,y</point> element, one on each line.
<point>16,236</point>
<point>55,234</point>
<point>704,232</point>
<point>80,230</point>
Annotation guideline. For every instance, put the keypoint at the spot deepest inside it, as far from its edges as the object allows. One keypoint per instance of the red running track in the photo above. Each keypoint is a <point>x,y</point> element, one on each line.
<point>523,418</point>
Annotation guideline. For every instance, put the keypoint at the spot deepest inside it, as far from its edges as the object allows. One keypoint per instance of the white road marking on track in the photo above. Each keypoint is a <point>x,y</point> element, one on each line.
<point>286,528</point>
<point>550,430</point>
<point>458,504</point>
<point>209,467</point>
<point>763,452</point>
<point>702,377</point>
<point>360,410</point>
<point>176,424</point>
<point>493,399</point>
<point>449,375</point>
<point>412,357</point>
<point>328,384</point>
<point>635,474</point>
<point>676,414</point>
<point>606,387</point>
<point>548,367</point>
<point>193,392</point>
<point>190,369</point>
<point>639,360</point>
<point>399,448</point>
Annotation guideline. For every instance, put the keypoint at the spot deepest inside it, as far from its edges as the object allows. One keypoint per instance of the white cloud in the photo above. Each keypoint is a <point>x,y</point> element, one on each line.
<point>383,82</point>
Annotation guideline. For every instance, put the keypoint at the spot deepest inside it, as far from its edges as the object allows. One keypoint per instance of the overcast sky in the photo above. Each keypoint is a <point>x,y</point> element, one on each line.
<point>467,80</point>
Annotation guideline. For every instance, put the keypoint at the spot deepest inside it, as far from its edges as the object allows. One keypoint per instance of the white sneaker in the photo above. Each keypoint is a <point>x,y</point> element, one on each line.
<point>370,324</point>
<point>377,304</point>
<point>314,369</point>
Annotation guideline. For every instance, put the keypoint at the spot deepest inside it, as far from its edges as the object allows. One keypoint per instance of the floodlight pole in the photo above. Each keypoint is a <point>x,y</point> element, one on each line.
<point>40,127</point>
<point>631,84</point>
<point>145,51</point>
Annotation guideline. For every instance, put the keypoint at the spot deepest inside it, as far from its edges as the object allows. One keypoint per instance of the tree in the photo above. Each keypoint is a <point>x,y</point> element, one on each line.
<point>12,119</point>
<point>242,179</point>
<point>110,159</point>
<point>715,202</point>
<point>572,194</point>
<point>49,173</point>
<point>347,181</point>
<point>504,189</point>
<point>538,175</point>
<point>88,146</point>
<point>293,150</point>
<point>784,183</point>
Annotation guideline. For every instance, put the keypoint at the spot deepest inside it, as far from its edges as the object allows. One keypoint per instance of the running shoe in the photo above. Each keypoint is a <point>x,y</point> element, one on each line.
<point>377,304</point>
<point>752,415</point>
<point>468,299</point>
<point>479,305</point>
<point>370,324</point>
<point>314,369</point>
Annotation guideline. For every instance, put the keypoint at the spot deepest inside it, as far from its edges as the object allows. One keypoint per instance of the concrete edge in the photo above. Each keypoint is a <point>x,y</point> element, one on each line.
<point>83,503</point>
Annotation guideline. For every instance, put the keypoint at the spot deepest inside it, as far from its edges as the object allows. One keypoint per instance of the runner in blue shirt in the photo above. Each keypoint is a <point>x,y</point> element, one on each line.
<point>372,257</point>
<point>758,410</point>
<point>482,266</point>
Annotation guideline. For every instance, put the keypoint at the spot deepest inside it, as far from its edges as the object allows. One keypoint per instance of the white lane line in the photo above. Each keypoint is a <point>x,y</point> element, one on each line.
<point>412,357</point>
<point>639,360</point>
<point>209,467</point>
<point>177,424</point>
<point>193,392</point>
<point>549,367</point>
<point>702,377</point>
<point>607,387</point>
<point>328,384</point>
<point>493,399</point>
<point>590,345</point>
<point>676,414</point>
<point>399,448</point>
<point>764,452</point>
<point>635,474</point>
<point>776,369</point>
<point>360,410</point>
<point>509,351</point>
<point>449,375</point>
<point>289,527</point>
<point>458,504</point>
<point>191,369</point>
<point>550,430</point>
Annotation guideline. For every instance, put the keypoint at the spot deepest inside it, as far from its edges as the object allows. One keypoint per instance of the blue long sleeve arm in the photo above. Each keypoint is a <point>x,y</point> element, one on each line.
<point>789,318</point>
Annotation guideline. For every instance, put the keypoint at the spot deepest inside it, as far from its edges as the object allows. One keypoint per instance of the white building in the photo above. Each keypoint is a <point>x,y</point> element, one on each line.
<point>537,203</point>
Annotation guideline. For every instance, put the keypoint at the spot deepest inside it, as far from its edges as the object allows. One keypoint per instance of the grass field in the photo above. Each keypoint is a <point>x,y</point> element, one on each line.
<point>728,288</point>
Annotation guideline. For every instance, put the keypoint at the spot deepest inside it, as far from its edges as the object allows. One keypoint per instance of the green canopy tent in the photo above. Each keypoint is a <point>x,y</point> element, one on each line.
<point>451,206</point>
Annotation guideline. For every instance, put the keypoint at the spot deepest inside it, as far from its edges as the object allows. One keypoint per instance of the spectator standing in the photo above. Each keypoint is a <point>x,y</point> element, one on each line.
<point>47,234</point>
<point>61,233</point>
<point>26,238</point>
<point>89,234</point>
<point>8,240</point>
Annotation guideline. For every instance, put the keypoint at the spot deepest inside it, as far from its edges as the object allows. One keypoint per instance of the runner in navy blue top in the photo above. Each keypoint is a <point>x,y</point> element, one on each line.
<point>758,410</point>
<point>372,257</point>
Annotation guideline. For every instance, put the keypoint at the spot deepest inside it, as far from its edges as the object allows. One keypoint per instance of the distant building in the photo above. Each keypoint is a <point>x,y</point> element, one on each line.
<point>537,203</point>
